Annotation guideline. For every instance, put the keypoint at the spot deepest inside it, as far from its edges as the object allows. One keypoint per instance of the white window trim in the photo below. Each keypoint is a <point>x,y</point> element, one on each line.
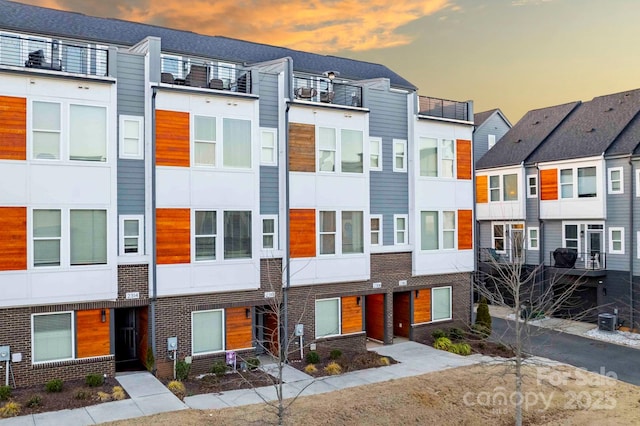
<point>274,160</point>
<point>529,239</point>
<point>441,230</point>
<point>379,153</point>
<point>404,168</point>
<point>73,337</point>
<point>505,227</point>
<point>395,229</point>
<point>315,331</point>
<point>217,142</point>
<point>612,229</point>
<point>381,234</point>
<point>491,141</point>
<point>610,189</point>
<point>140,121</point>
<point>121,236</point>
<point>276,244</point>
<point>219,235</point>
<point>638,244</point>
<point>224,329</point>
<point>638,185</point>
<point>439,158</point>
<point>499,188</point>
<point>529,187</point>
<point>575,194</point>
<point>450,304</point>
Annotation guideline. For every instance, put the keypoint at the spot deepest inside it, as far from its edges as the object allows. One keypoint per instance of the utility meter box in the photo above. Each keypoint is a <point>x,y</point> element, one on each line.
<point>5,353</point>
<point>172,343</point>
<point>299,330</point>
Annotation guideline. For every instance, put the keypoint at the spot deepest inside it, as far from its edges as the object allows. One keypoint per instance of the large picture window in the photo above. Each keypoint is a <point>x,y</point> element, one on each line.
<point>327,317</point>
<point>88,133</point>
<point>88,237</point>
<point>207,331</point>
<point>510,187</point>
<point>587,185</point>
<point>237,234</point>
<point>52,337</point>
<point>441,303</point>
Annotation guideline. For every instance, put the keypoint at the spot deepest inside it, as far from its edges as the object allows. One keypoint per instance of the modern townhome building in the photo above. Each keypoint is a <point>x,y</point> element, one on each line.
<point>490,126</point>
<point>160,187</point>
<point>559,190</point>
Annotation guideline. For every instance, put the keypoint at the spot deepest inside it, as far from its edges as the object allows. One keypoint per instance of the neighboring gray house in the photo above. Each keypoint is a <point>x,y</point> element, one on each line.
<point>490,126</point>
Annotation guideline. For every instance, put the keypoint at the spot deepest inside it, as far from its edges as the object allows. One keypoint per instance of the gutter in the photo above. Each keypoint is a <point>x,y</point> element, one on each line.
<point>287,249</point>
<point>154,263</point>
<point>541,248</point>
<point>632,239</point>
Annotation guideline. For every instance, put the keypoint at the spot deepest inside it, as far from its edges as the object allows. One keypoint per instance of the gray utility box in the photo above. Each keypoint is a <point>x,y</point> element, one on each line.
<point>607,322</point>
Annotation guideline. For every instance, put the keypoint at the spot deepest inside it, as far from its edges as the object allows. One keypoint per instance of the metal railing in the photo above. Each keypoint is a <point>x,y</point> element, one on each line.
<point>443,108</point>
<point>326,91</point>
<point>570,258</point>
<point>492,255</point>
<point>55,55</point>
<point>203,74</point>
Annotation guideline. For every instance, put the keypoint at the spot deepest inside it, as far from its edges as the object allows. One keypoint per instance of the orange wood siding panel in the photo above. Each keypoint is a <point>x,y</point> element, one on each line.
<point>422,307</point>
<point>401,314</point>
<point>13,128</point>
<point>549,184</point>
<point>238,328</point>
<point>143,332</point>
<point>463,149</point>
<point>302,225</point>
<point>302,147</point>
<point>482,190</point>
<point>92,335</point>
<point>172,138</point>
<point>173,237</point>
<point>465,229</point>
<point>351,314</point>
<point>374,316</point>
<point>13,238</point>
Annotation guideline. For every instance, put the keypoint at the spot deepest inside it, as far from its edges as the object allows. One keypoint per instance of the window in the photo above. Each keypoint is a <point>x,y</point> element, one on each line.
<point>491,141</point>
<point>533,238</point>
<point>236,147</point>
<point>327,154</point>
<point>46,130</point>
<point>566,183</point>
<point>205,235</point>
<point>46,237</point>
<point>376,230</point>
<point>270,232</point>
<point>587,182</point>
<point>429,237</point>
<point>352,232</point>
<point>237,234</point>
<point>616,240</point>
<point>204,141</point>
<point>571,237</point>
<point>441,303</point>
<point>131,235</point>
<point>327,232</point>
<point>327,317</point>
<point>438,230</point>
<point>87,133</point>
<point>532,186</point>
<point>400,224</point>
<point>207,331</point>
<point>88,237</point>
<point>351,154</point>
<point>131,137</point>
<point>510,187</point>
<point>399,155</point>
<point>499,237</point>
<point>494,188</point>
<point>448,230</point>
<point>437,158</point>
<point>268,151</point>
<point>52,337</point>
<point>375,153</point>
<point>448,158</point>
<point>615,180</point>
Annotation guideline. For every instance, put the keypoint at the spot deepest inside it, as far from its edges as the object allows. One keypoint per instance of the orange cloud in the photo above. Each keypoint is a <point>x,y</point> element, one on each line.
<point>316,25</point>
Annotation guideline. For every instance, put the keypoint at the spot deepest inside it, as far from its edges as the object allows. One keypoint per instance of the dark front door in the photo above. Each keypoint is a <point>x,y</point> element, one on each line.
<point>126,330</point>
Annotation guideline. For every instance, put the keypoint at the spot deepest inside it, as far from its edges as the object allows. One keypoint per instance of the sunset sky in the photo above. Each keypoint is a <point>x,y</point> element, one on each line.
<point>516,55</point>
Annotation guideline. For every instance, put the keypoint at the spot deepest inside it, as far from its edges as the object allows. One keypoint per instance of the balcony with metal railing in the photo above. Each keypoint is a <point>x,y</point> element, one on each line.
<point>53,55</point>
<point>444,108</point>
<point>571,262</point>
<point>321,90</point>
<point>202,74</point>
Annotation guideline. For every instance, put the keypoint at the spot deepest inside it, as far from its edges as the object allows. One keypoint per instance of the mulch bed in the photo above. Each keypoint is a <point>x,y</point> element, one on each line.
<point>348,362</point>
<point>479,345</point>
<point>74,394</point>
<point>233,380</point>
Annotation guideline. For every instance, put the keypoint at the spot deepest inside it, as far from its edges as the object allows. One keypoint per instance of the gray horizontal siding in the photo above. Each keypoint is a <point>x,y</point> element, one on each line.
<point>618,215</point>
<point>268,100</point>
<point>493,126</point>
<point>269,190</point>
<point>389,191</point>
<point>130,187</point>
<point>552,238</point>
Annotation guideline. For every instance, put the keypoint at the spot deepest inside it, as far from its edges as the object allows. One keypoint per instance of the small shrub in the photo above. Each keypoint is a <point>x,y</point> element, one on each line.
<point>335,354</point>
<point>460,349</point>
<point>177,388</point>
<point>182,370</point>
<point>481,331</point>
<point>384,361</point>
<point>436,334</point>
<point>117,393</point>
<point>103,396</point>
<point>5,392</point>
<point>94,380</point>
<point>54,385</point>
<point>10,409</point>
<point>253,363</point>
<point>310,369</point>
<point>333,369</point>
<point>81,394</point>
<point>312,357</point>
<point>483,317</point>
<point>219,368</point>
<point>149,360</point>
<point>456,334</point>
<point>34,401</point>
<point>442,343</point>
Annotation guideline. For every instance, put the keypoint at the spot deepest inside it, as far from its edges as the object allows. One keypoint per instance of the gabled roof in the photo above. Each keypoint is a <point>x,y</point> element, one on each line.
<point>39,20</point>
<point>525,136</point>
<point>481,117</point>
<point>591,129</point>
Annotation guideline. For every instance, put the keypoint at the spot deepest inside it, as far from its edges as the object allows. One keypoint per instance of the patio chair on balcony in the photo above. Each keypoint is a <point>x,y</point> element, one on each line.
<point>216,83</point>
<point>327,96</point>
<point>305,92</point>
<point>197,77</point>
<point>167,77</point>
<point>36,59</point>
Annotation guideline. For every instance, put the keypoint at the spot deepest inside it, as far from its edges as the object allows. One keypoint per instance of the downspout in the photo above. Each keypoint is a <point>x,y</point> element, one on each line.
<point>287,254</point>
<point>540,228</point>
<point>631,238</point>
<point>476,235</point>
<point>154,280</point>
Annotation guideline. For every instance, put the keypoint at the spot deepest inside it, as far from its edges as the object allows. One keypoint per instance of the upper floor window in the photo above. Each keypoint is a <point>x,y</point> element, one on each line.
<point>45,125</point>
<point>268,147</point>
<point>532,186</point>
<point>47,237</point>
<point>586,182</point>
<point>437,157</point>
<point>376,230</point>
<point>237,234</point>
<point>204,140</point>
<point>491,141</point>
<point>615,181</point>
<point>503,187</point>
<point>616,240</point>
<point>533,238</point>
<point>269,232</point>
<point>438,230</point>
<point>205,233</point>
<point>234,148</point>
<point>131,235</point>
<point>400,229</point>
<point>343,148</point>
<point>350,234</point>
<point>399,155</point>
<point>375,153</point>
<point>131,137</point>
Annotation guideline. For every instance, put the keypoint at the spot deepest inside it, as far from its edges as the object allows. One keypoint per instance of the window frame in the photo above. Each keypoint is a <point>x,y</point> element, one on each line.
<point>249,222</point>
<point>612,240</point>
<point>402,169</point>
<point>274,234</point>
<point>106,236</point>
<point>491,141</point>
<point>396,230</point>
<point>33,130</point>
<point>530,238</point>
<point>378,140</point>
<point>322,232</point>
<point>223,160</point>
<point>122,236</point>
<point>215,236</point>
<point>610,180</point>
<point>503,237</point>
<point>274,159</point>
<point>339,333</point>
<point>504,187</point>
<point>84,104</point>
<point>532,186</point>
<point>121,137</point>
<point>60,240</point>
<point>379,218</point>
<point>73,337</point>
<point>322,148</point>
<point>215,142</point>
<point>222,332</point>
<point>638,184</point>
<point>435,290</point>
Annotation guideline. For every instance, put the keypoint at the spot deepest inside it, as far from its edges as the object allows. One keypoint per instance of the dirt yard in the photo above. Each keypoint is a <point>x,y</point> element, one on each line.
<point>476,395</point>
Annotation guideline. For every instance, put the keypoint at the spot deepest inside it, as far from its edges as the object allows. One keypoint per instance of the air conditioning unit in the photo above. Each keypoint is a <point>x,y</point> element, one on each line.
<point>607,322</point>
